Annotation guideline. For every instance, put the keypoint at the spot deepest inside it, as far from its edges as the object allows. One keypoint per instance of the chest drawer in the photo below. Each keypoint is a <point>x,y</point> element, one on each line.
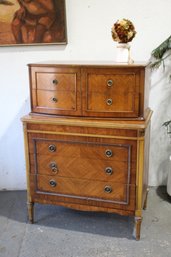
<point>55,90</point>
<point>57,81</point>
<point>83,168</point>
<point>109,103</point>
<point>112,83</point>
<point>56,100</point>
<point>79,149</point>
<point>114,192</point>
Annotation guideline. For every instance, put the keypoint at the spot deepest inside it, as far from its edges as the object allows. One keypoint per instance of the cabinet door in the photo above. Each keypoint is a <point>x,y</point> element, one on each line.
<point>111,92</point>
<point>55,90</point>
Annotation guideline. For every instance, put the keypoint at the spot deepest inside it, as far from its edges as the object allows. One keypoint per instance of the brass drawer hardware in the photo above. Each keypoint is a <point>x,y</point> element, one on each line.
<point>53,167</point>
<point>108,153</point>
<point>54,99</point>
<point>110,83</point>
<point>108,189</point>
<point>52,148</point>
<point>52,183</point>
<point>55,82</point>
<point>108,170</point>
<point>109,101</point>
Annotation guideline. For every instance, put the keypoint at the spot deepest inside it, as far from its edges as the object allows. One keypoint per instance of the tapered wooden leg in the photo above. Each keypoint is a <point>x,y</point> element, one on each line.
<point>145,202</point>
<point>30,208</point>
<point>138,221</point>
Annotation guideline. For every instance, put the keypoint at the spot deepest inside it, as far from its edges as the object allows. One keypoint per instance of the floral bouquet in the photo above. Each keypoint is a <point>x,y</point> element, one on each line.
<point>123,31</point>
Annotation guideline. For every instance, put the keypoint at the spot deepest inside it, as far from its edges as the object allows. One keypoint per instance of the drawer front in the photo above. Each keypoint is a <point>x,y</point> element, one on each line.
<point>55,90</point>
<point>82,168</point>
<point>88,150</point>
<point>114,192</point>
<point>56,81</point>
<point>109,103</point>
<point>116,84</point>
<point>58,100</point>
<point>111,93</point>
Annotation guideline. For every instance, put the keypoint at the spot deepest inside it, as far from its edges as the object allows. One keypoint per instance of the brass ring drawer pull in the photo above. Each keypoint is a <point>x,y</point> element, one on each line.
<point>55,82</point>
<point>53,167</point>
<point>54,99</point>
<point>109,170</point>
<point>52,183</point>
<point>108,189</point>
<point>110,83</point>
<point>52,148</point>
<point>109,101</point>
<point>108,153</point>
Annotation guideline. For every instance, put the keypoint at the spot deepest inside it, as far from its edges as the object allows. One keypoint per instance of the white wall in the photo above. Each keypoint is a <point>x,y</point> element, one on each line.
<point>89,25</point>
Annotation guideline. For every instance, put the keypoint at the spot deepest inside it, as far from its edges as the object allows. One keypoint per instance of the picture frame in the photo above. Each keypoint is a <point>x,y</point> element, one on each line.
<point>32,22</point>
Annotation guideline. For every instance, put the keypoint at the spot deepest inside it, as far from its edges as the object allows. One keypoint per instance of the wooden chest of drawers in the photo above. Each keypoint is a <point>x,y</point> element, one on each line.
<point>89,91</point>
<point>78,155</point>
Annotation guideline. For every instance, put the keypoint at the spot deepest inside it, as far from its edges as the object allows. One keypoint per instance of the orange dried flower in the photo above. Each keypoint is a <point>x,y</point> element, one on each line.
<point>123,31</point>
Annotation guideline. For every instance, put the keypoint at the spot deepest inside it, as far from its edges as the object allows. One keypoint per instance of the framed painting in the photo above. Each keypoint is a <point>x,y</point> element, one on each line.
<point>32,22</point>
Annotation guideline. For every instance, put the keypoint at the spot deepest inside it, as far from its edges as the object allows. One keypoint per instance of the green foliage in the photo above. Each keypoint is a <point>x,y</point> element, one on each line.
<point>158,53</point>
<point>162,49</point>
<point>159,56</point>
<point>167,125</point>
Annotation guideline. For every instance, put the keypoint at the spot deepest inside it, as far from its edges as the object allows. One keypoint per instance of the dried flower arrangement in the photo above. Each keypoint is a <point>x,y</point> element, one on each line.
<point>123,31</point>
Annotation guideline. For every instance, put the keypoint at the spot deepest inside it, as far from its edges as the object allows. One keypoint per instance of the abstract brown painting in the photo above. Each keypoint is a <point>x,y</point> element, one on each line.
<point>32,22</point>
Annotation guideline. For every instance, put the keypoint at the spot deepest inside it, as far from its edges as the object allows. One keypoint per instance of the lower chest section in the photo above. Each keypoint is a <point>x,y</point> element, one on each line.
<point>85,166</point>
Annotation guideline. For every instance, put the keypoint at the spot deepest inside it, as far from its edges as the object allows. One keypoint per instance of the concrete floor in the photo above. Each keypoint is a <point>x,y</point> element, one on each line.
<point>62,232</point>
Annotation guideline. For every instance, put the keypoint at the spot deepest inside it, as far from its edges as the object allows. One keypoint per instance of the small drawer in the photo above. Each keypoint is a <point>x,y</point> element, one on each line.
<point>90,189</point>
<point>56,81</point>
<point>108,102</point>
<point>116,84</point>
<point>56,100</point>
